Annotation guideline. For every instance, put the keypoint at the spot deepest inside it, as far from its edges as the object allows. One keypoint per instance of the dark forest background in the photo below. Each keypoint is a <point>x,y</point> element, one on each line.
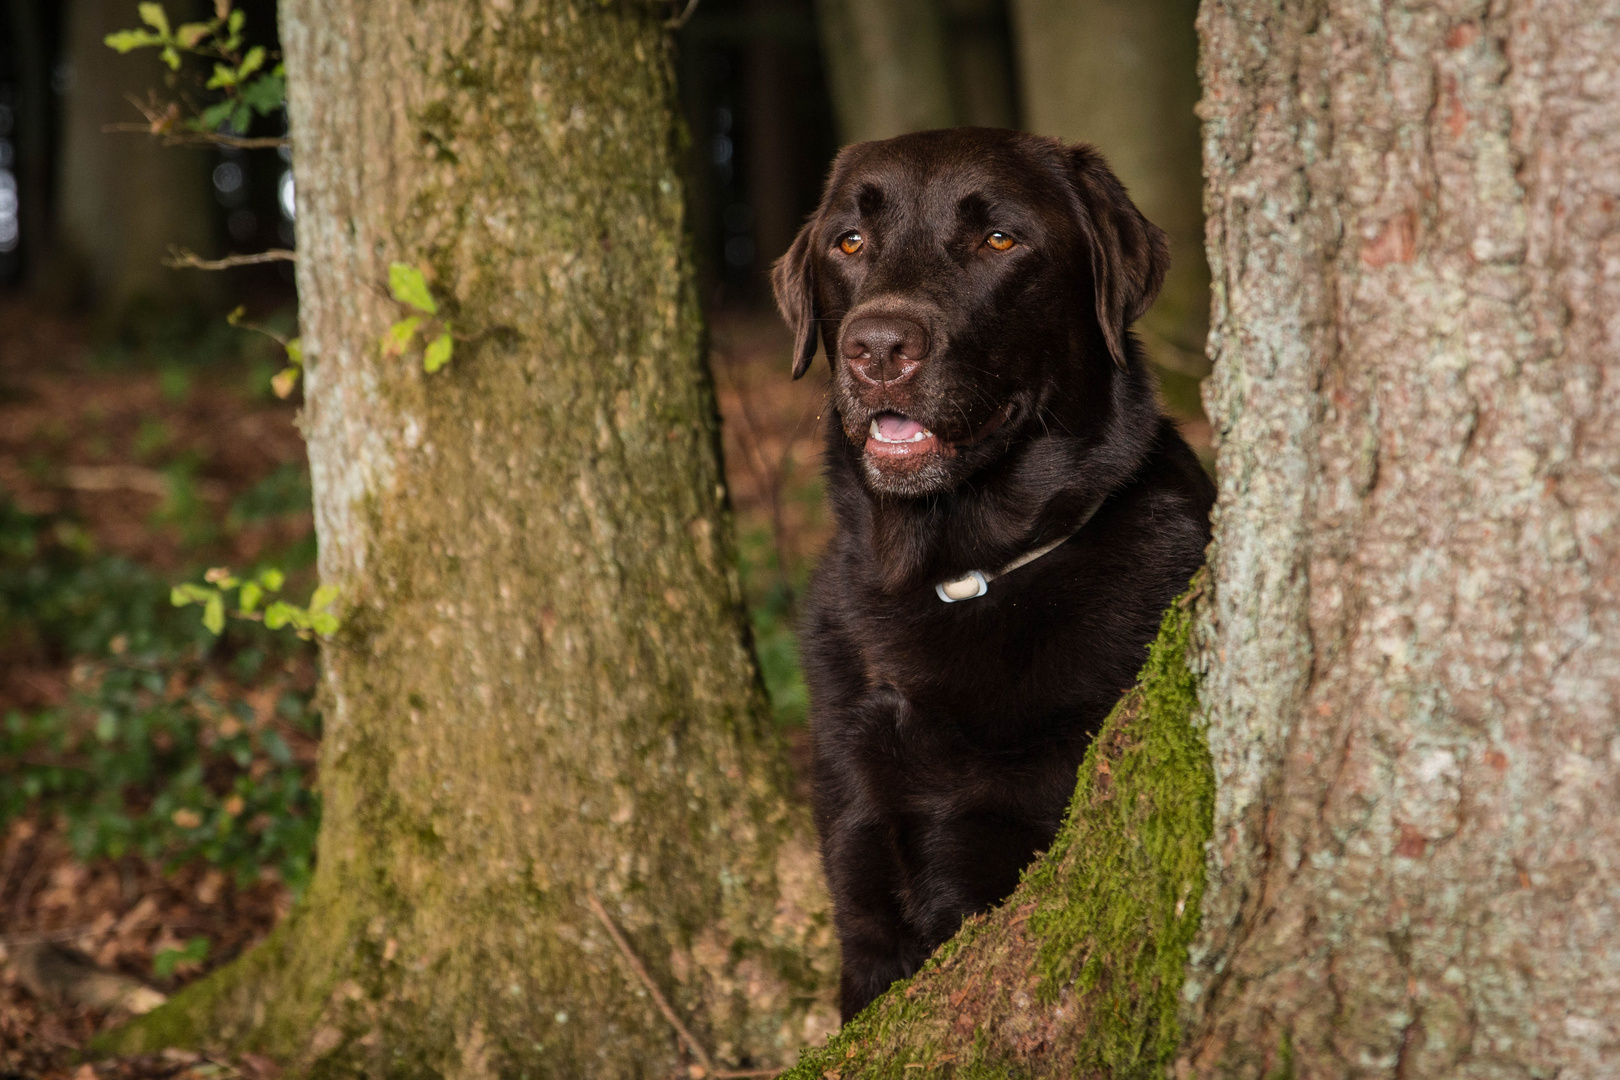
<point>157,799</point>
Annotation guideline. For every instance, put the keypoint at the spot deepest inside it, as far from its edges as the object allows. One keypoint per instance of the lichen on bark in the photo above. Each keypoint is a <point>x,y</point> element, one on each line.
<point>1080,972</point>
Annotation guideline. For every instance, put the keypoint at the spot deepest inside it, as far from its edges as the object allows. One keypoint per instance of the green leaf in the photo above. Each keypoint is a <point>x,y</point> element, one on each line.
<point>397,338</point>
<point>324,622</point>
<point>125,40</point>
<point>265,94</point>
<point>253,61</point>
<point>241,118</point>
<point>166,960</point>
<point>295,350</point>
<point>171,57</point>
<point>249,597</point>
<point>215,115</point>
<point>437,354</point>
<point>152,15</point>
<point>238,18</point>
<point>278,614</point>
<point>190,34</point>
<point>214,614</point>
<point>190,593</point>
<point>324,597</point>
<point>272,579</point>
<point>409,287</point>
<point>222,77</point>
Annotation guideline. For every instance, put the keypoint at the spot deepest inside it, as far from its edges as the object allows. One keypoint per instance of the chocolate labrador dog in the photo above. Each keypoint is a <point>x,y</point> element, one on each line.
<point>1014,515</point>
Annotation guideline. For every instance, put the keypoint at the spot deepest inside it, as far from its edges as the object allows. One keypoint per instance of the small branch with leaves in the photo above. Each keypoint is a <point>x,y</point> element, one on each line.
<point>240,80</point>
<point>180,258</point>
<point>285,381</point>
<point>315,618</point>
<point>408,286</point>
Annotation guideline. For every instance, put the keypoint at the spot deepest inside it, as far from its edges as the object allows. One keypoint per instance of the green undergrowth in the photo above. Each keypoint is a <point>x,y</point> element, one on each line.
<point>169,743</point>
<point>1080,971</point>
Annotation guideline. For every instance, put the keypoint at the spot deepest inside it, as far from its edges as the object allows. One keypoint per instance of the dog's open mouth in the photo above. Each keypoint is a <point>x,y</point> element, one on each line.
<point>895,437</point>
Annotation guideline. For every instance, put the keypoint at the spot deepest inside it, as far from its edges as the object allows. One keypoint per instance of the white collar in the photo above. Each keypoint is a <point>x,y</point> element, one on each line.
<point>975,583</point>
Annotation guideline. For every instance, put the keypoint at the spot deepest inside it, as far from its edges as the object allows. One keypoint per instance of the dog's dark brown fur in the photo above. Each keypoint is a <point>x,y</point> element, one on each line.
<point>947,736</point>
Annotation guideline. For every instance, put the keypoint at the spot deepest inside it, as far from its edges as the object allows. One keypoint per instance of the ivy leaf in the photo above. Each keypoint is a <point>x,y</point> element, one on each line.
<point>398,337</point>
<point>152,15</point>
<point>190,34</point>
<point>125,40</point>
<point>409,286</point>
<point>214,614</point>
<point>438,353</point>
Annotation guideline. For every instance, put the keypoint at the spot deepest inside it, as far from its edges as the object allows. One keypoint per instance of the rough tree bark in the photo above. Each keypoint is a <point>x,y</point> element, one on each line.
<point>542,691</point>
<point>1409,647</point>
<point>1415,650</point>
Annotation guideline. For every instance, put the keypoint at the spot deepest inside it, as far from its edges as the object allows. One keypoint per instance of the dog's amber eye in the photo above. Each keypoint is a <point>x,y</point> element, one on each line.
<point>1000,241</point>
<point>850,243</point>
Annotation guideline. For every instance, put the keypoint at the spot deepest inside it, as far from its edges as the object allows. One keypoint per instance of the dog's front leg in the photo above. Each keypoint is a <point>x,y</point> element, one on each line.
<point>876,944</point>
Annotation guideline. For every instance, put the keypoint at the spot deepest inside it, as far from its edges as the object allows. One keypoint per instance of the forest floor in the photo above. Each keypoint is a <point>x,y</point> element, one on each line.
<point>129,466</point>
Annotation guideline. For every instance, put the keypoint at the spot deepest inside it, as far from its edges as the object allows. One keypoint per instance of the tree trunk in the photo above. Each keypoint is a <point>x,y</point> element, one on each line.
<point>1415,647</point>
<point>1410,645</point>
<point>542,692</point>
<point>888,66</point>
<point>123,198</point>
<point>1123,75</point>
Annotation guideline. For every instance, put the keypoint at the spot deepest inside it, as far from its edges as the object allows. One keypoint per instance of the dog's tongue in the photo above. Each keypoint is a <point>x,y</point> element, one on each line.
<point>897,428</point>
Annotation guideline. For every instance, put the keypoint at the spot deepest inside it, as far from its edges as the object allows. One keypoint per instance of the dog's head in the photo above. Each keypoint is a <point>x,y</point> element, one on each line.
<point>960,280</point>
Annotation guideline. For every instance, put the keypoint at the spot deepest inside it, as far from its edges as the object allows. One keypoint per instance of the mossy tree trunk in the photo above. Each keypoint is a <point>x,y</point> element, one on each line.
<point>542,691</point>
<point>1409,645</point>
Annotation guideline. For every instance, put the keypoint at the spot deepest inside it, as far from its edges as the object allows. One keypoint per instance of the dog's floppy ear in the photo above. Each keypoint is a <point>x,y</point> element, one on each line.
<point>1129,254</point>
<point>793,282</point>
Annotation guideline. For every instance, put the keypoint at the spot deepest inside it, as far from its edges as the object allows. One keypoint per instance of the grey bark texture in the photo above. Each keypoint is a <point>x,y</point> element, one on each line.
<point>122,198</point>
<point>1123,75</point>
<point>1412,664</point>
<point>542,692</point>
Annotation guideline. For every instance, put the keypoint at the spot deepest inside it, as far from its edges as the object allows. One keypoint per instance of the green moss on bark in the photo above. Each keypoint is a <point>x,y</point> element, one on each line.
<point>1080,972</point>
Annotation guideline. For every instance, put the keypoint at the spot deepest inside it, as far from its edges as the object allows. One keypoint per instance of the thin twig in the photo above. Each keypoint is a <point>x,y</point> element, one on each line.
<point>680,20</point>
<point>705,1063</point>
<point>179,258</point>
<point>636,966</point>
<point>204,138</point>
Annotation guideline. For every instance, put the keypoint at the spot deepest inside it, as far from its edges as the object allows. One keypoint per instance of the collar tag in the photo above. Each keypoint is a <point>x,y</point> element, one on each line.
<point>969,586</point>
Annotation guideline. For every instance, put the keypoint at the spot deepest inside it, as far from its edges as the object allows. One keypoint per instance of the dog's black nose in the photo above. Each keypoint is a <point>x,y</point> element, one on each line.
<point>884,350</point>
